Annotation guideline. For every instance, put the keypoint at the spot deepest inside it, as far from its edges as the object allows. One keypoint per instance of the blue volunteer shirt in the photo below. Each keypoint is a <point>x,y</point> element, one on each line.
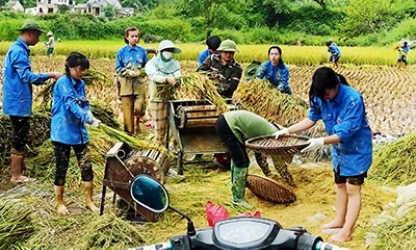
<point>406,49</point>
<point>18,79</point>
<point>345,116</point>
<point>202,56</point>
<point>132,58</point>
<point>274,74</point>
<point>70,111</point>
<point>334,50</point>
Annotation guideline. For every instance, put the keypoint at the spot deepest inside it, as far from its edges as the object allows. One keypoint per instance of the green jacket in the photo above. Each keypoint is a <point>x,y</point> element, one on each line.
<point>246,125</point>
<point>226,77</point>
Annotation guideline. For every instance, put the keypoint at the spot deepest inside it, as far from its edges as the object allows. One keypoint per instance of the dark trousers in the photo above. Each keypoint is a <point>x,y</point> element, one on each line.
<point>20,128</point>
<point>236,148</point>
<point>62,154</point>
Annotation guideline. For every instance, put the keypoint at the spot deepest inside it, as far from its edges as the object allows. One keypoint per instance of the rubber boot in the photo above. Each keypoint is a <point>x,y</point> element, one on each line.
<point>281,163</point>
<point>262,162</point>
<point>17,166</point>
<point>88,187</point>
<point>239,178</point>
<point>60,204</point>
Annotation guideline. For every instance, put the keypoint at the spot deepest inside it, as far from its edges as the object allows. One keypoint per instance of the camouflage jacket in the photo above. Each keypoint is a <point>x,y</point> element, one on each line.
<point>226,77</point>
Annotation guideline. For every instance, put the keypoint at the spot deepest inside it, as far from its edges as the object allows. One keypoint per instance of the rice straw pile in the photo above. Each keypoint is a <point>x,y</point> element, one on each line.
<point>15,223</point>
<point>394,163</point>
<point>131,141</point>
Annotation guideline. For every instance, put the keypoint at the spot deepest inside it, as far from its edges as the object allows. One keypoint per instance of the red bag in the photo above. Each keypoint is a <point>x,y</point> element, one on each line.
<point>246,214</point>
<point>215,213</point>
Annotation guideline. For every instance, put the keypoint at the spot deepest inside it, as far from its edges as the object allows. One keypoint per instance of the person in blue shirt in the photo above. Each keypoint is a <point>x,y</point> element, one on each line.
<point>70,112</point>
<point>213,43</point>
<point>334,52</point>
<point>402,58</point>
<point>343,112</point>
<point>17,83</point>
<point>275,71</point>
<point>132,85</point>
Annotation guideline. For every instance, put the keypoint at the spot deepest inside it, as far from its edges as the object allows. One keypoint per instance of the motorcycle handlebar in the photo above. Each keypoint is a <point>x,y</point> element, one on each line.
<point>286,239</point>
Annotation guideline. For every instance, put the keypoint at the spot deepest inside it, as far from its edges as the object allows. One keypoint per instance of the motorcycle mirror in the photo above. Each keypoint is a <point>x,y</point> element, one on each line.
<point>149,193</point>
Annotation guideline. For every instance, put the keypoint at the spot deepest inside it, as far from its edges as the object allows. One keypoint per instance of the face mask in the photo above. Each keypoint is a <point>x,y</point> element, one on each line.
<point>167,55</point>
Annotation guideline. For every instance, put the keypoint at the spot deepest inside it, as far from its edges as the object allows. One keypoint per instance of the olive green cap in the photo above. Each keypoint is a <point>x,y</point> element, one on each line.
<point>228,46</point>
<point>31,25</point>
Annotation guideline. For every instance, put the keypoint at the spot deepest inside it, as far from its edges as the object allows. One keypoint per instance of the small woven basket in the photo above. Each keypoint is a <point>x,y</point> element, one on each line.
<point>269,189</point>
<point>285,144</point>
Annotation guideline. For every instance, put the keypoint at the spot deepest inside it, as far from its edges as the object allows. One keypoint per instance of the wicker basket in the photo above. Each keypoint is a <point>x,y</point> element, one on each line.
<point>269,189</point>
<point>285,144</point>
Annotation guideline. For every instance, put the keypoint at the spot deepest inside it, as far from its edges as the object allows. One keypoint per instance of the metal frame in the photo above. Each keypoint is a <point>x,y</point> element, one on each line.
<point>118,178</point>
<point>189,138</point>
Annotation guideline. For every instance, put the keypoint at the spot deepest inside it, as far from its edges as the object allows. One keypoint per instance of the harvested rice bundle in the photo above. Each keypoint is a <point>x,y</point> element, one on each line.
<point>259,97</point>
<point>200,87</point>
<point>131,141</point>
<point>105,113</point>
<point>394,163</point>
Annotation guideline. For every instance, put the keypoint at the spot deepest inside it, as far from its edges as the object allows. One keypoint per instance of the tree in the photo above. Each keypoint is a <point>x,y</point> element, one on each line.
<point>109,12</point>
<point>63,8</point>
<point>372,16</point>
<point>205,8</point>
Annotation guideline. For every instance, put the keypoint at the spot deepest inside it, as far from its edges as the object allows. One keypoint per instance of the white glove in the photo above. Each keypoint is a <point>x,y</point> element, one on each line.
<point>95,123</point>
<point>280,87</point>
<point>313,143</point>
<point>278,133</point>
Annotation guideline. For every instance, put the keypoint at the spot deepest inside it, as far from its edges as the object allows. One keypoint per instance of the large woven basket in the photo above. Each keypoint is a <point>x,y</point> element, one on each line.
<point>285,144</point>
<point>269,189</point>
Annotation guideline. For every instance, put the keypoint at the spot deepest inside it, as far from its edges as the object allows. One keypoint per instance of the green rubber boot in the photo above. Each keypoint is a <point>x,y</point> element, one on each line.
<point>239,178</point>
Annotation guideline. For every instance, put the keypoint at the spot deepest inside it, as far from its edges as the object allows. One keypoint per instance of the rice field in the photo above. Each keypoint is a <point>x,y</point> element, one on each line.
<point>297,55</point>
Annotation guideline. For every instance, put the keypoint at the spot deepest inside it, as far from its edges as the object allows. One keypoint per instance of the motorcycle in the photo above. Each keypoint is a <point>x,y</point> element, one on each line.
<point>239,233</point>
